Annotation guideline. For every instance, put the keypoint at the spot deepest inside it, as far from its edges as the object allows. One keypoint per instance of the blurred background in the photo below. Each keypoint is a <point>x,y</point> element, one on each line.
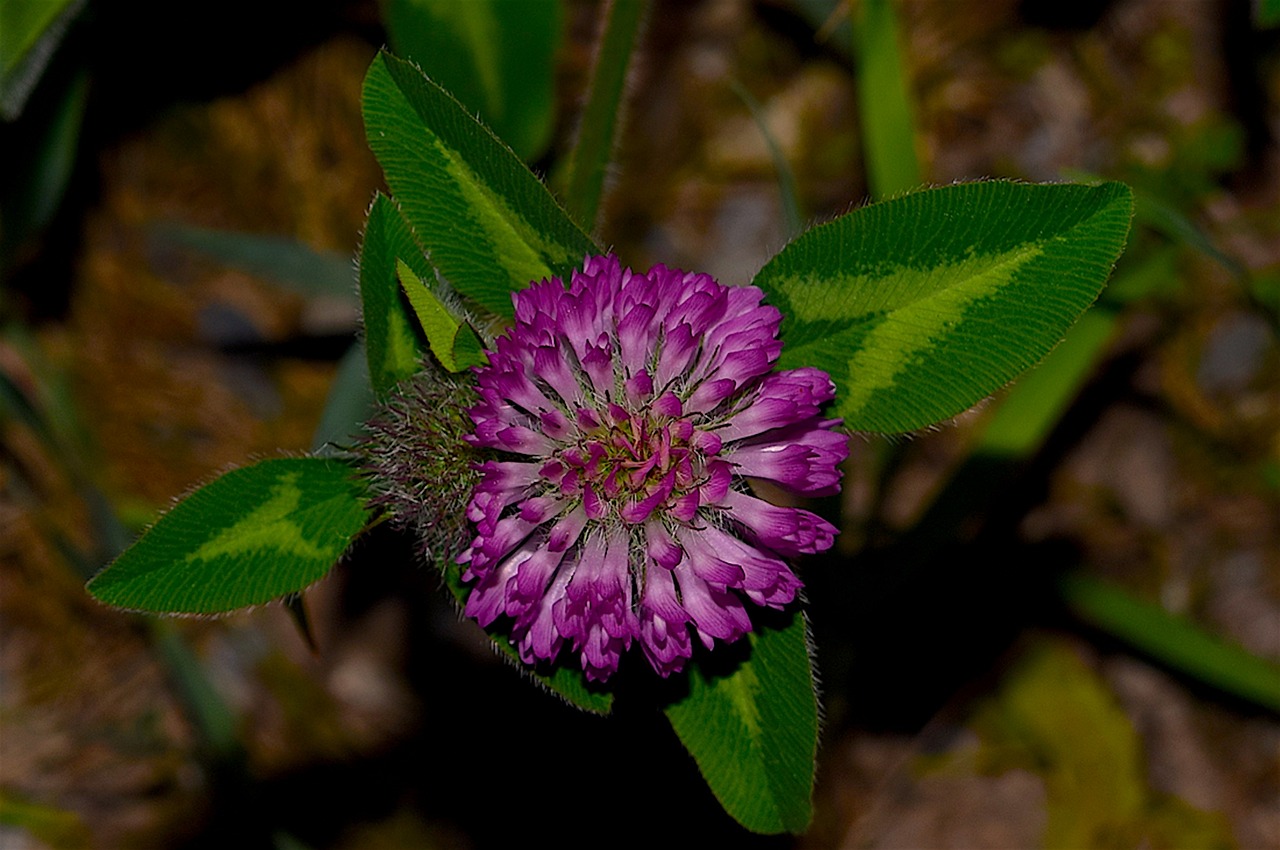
<point>1053,622</point>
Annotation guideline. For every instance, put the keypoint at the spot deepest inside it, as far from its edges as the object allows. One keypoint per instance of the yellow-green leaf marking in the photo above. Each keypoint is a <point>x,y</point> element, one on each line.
<point>485,221</point>
<point>251,536</point>
<point>754,731</point>
<point>921,306</point>
<point>390,342</point>
<point>451,340</point>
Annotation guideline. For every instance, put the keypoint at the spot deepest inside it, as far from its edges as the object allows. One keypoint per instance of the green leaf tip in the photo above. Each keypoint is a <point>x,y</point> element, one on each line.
<point>497,57</point>
<point>391,345</point>
<point>249,537</point>
<point>921,306</point>
<point>451,339</point>
<point>753,730</point>
<point>488,225</point>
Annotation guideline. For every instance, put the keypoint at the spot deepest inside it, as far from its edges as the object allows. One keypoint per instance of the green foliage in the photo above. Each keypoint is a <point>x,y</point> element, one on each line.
<point>1174,641</point>
<point>754,730</point>
<point>1023,419</point>
<point>921,306</point>
<point>487,223</point>
<point>390,343</point>
<point>251,536</point>
<point>1053,713</point>
<point>451,340</point>
<point>52,826</point>
<point>496,57</point>
<point>598,126</point>
<point>288,262</point>
<point>23,23</point>
<point>1266,13</point>
<point>1055,717</point>
<point>212,719</point>
<point>349,404</point>
<point>39,166</point>
<point>884,101</point>
<point>30,31</point>
<point>1265,289</point>
<point>791,209</point>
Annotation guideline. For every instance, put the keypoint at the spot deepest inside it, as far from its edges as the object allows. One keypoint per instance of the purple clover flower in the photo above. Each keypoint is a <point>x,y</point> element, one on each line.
<point>629,410</point>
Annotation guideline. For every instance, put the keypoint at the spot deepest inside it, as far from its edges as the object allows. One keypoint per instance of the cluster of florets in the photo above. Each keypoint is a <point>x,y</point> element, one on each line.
<point>628,412</point>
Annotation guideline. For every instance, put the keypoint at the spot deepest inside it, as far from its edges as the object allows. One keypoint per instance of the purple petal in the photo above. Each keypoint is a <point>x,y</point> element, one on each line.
<point>787,531</point>
<point>783,398</point>
<point>804,458</point>
<point>767,580</point>
<point>715,613</point>
<point>702,559</point>
<point>664,635</point>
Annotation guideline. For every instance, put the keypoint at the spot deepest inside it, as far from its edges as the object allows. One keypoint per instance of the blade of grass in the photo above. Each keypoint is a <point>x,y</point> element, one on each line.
<point>39,409</point>
<point>210,714</point>
<point>497,57</point>
<point>791,210</point>
<point>598,130</point>
<point>884,101</point>
<point>1173,640</point>
<point>29,35</point>
<point>39,163</point>
<point>299,267</point>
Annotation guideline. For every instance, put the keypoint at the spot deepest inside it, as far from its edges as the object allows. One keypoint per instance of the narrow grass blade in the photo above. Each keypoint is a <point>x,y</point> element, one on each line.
<point>350,402</point>
<point>288,262</point>
<point>792,212</point>
<point>884,101</point>
<point>496,56</point>
<point>1174,641</point>
<point>597,132</point>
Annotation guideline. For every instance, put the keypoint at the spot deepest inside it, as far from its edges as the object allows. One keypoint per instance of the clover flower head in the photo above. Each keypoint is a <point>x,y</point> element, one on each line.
<point>627,412</point>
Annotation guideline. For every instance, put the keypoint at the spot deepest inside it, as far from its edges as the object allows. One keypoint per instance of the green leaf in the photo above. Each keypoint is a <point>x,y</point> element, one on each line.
<point>47,824</point>
<point>390,343</point>
<point>1025,416</point>
<point>598,126</point>
<point>1054,715</point>
<point>211,718</point>
<point>496,57</point>
<point>568,683</point>
<point>921,306</point>
<point>488,225</point>
<point>350,402</point>
<point>1266,13</point>
<point>884,101</point>
<point>39,160</point>
<point>754,730</point>
<point>251,536</point>
<point>30,32</point>
<point>293,264</point>
<point>452,341</point>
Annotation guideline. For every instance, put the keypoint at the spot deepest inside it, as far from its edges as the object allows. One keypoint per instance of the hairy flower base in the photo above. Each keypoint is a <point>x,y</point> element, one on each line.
<point>629,410</point>
<point>417,465</point>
